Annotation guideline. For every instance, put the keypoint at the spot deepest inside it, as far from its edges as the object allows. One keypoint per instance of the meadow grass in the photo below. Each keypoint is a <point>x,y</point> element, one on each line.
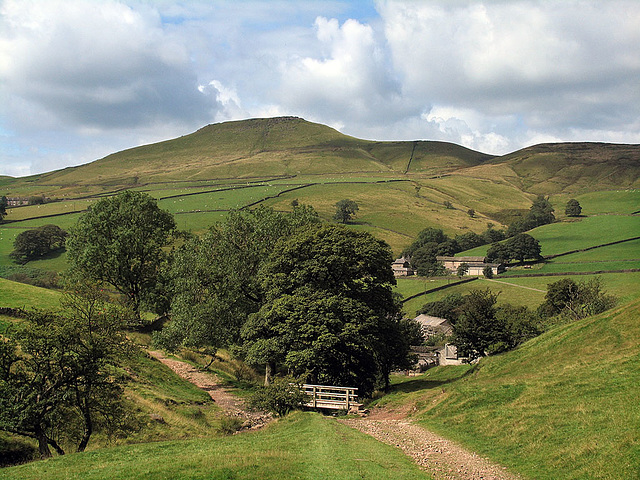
<point>300,446</point>
<point>570,235</point>
<point>524,291</point>
<point>563,405</point>
<point>20,295</point>
<point>611,201</point>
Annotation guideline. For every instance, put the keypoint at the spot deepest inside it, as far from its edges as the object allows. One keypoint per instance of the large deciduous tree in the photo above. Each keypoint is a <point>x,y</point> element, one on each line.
<point>214,278</point>
<point>345,210</point>
<point>57,381</point>
<point>329,312</point>
<point>120,241</point>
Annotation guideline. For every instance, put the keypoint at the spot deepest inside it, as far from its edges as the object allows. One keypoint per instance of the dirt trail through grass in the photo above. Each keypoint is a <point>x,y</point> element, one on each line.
<point>442,458</point>
<point>211,384</point>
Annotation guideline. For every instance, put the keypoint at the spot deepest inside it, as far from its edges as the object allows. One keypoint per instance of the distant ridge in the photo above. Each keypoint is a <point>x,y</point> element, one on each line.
<point>292,146</point>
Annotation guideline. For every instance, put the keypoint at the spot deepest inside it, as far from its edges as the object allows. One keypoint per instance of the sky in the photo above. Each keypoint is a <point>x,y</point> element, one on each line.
<point>80,79</point>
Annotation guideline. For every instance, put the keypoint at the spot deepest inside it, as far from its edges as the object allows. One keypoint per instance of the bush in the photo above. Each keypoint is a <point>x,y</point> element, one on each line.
<point>576,299</point>
<point>280,397</point>
<point>230,424</point>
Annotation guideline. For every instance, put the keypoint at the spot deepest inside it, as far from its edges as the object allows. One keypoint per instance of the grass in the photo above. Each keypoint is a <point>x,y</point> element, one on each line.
<point>525,291</point>
<point>586,232</point>
<point>563,405</point>
<point>301,446</point>
<point>19,295</point>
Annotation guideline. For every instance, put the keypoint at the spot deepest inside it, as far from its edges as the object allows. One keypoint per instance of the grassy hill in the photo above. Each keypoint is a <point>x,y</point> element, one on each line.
<point>563,405</point>
<point>401,187</point>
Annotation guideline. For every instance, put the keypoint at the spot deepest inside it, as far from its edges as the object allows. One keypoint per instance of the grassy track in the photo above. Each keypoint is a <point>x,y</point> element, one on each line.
<point>302,446</point>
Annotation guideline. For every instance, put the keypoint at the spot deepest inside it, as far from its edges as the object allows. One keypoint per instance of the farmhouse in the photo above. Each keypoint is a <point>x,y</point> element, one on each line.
<point>475,265</point>
<point>402,268</point>
<point>431,326</point>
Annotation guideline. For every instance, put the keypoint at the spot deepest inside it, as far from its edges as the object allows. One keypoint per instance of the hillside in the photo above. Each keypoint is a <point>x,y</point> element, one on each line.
<point>554,168</point>
<point>293,147</point>
<point>563,405</point>
<point>268,147</point>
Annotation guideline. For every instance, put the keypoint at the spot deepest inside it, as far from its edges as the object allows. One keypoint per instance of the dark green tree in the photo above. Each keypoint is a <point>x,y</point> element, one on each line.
<point>471,212</point>
<point>470,240</point>
<point>487,272</point>
<point>573,208</point>
<point>523,246</point>
<point>345,210</point>
<point>3,207</point>
<point>424,238</point>
<point>476,329</point>
<point>540,213</point>
<point>519,247</point>
<point>447,307</point>
<point>329,311</point>
<point>38,242</point>
<point>57,381</point>
<point>120,241</point>
<point>462,269</point>
<point>214,277</point>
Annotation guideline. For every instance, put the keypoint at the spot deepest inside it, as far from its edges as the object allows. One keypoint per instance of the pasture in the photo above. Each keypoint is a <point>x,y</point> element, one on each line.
<point>302,445</point>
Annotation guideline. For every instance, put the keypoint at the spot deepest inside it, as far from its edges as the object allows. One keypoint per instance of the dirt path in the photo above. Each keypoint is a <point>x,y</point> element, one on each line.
<point>210,383</point>
<point>442,458</point>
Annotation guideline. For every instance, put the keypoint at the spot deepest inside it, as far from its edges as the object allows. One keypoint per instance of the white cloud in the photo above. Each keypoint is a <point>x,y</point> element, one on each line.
<point>83,78</point>
<point>95,63</point>
<point>350,81</point>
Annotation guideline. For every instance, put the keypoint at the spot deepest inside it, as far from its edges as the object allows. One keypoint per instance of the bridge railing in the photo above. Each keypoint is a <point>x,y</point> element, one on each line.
<point>325,396</point>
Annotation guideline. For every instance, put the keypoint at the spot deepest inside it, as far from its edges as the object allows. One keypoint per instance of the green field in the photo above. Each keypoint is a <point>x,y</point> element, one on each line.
<point>301,446</point>
<point>19,295</point>
<point>525,291</point>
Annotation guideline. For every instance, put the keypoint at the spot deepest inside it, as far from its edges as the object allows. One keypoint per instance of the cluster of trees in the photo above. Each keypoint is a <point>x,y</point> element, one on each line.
<point>540,213</point>
<point>281,289</point>
<point>38,242</point>
<point>520,247</point>
<point>576,299</point>
<point>58,377</point>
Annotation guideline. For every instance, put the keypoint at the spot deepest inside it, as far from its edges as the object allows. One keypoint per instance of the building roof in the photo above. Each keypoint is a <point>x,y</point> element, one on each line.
<point>429,321</point>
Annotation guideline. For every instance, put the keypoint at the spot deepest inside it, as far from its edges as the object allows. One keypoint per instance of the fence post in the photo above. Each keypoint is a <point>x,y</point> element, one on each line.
<point>314,397</point>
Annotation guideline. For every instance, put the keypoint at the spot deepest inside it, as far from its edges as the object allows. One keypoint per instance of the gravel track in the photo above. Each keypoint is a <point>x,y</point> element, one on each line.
<point>442,458</point>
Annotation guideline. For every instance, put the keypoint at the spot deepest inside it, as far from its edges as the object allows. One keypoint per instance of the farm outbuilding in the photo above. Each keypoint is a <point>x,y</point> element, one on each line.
<point>402,268</point>
<point>475,265</point>
<point>433,325</point>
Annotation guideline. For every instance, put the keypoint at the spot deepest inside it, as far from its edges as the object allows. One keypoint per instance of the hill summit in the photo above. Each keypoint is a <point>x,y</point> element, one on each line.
<point>292,146</point>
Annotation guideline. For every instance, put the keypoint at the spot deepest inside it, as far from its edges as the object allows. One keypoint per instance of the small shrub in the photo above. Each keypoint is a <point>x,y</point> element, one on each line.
<point>282,396</point>
<point>230,424</point>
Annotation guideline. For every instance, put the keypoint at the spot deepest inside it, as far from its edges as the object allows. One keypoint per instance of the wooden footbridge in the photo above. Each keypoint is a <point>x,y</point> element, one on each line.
<point>335,398</point>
